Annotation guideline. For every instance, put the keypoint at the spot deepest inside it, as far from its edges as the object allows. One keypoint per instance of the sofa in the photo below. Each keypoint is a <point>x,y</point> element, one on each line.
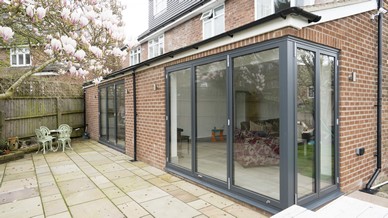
<point>257,143</point>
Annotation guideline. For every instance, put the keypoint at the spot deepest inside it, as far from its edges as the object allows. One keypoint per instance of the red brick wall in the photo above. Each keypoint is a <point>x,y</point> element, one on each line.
<point>355,37</point>
<point>91,114</point>
<point>129,116</point>
<point>238,13</point>
<point>183,35</point>
<point>151,116</point>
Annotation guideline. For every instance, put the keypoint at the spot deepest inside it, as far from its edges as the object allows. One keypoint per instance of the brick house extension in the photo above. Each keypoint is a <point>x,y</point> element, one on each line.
<point>273,103</point>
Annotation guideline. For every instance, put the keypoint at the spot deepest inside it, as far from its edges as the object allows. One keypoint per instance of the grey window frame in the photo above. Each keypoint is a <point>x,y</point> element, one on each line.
<point>110,143</point>
<point>287,68</point>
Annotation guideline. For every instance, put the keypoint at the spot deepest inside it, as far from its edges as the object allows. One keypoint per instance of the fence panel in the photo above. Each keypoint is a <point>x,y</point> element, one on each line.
<point>22,115</point>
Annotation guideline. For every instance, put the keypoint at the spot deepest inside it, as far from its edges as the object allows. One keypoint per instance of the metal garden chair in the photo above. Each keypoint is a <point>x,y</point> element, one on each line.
<point>64,136</point>
<point>46,133</point>
<point>42,140</point>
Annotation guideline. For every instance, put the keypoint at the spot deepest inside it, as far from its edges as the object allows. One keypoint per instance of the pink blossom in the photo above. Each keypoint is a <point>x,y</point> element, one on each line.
<point>82,72</point>
<point>41,12</point>
<point>97,80</point>
<point>80,55</point>
<point>69,49</point>
<point>117,52</point>
<point>6,33</point>
<point>74,17</point>
<point>72,70</point>
<point>67,40</point>
<point>49,52</point>
<point>64,2</point>
<point>84,40</point>
<point>83,21</point>
<point>96,51</point>
<point>91,15</point>
<point>56,44</point>
<point>65,14</point>
<point>30,11</point>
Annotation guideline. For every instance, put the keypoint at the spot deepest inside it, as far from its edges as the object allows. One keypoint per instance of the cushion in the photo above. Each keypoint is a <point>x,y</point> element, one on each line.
<point>256,127</point>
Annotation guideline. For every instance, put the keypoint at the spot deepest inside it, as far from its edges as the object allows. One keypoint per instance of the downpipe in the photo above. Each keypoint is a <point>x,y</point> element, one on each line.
<point>134,117</point>
<point>379,99</point>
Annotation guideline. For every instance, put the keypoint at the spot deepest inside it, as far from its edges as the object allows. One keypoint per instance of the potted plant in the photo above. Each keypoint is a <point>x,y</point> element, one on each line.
<point>3,146</point>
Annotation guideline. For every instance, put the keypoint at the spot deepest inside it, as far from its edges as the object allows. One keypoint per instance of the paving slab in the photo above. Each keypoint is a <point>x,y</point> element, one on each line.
<point>96,181</point>
<point>132,209</point>
<point>100,208</point>
<point>31,207</point>
<point>147,194</point>
<point>167,207</point>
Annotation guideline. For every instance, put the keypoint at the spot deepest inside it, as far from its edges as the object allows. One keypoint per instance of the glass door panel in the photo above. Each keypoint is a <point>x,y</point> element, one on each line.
<point>327,123</point>
<point>211,117</point>
<point>103,114</point>
<point>120,118</point>
<point>256,122</point>
<point>180,118</point>
<point>306,152</point>
<point>111,115</point>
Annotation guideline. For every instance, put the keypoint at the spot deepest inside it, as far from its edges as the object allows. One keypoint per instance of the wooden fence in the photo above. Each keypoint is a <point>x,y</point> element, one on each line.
<point>20,116</point>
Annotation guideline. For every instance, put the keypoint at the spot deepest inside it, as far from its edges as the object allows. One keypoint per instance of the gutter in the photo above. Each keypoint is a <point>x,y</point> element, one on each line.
<point>281,14</point>
<point>379,98</point>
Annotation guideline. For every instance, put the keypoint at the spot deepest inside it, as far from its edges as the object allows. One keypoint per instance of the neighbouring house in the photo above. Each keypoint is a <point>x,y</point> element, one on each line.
<point>272,103</point>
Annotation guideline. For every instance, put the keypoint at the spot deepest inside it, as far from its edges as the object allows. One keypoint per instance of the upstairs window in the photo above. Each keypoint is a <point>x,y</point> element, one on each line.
<point>160,6</point>
<point>213,22</point>
<point>156,46</point>
<point>135,56</point>
<point>20,57</point>
<point>264,8</point>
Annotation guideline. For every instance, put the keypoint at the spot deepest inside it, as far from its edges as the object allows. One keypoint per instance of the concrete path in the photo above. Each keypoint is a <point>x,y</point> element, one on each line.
<point>357,204</point>
<point>96,181</point>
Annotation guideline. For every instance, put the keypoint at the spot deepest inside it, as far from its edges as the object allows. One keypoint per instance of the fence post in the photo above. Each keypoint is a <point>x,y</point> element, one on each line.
<point>2,117</point>
<point>59,112</point>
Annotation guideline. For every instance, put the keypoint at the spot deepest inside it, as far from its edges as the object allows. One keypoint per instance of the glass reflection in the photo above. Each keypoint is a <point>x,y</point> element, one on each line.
<point>180,122</point>
<point>256,122</point>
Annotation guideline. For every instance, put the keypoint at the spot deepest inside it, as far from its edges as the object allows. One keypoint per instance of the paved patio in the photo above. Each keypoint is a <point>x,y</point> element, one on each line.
<point>96,181</point>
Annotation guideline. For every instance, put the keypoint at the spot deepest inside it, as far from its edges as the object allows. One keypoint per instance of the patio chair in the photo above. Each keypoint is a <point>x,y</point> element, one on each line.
<point>42,140</point>
<point>64,136</point>
<point>46,133</point>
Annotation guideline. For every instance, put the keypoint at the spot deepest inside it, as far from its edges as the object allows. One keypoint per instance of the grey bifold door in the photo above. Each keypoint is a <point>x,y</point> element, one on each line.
<point>112,115</point>
<point>315,123</point>
<point>258,122</point>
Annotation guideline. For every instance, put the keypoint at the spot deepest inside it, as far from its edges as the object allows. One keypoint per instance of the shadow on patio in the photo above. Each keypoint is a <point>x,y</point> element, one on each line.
<point>96,181</point>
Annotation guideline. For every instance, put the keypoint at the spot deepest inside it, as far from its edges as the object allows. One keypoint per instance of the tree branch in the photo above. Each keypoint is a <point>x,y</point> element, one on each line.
<point>10,91</point>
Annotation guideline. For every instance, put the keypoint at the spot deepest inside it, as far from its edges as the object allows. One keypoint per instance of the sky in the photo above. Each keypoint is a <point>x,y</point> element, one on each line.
<point>136,18</point>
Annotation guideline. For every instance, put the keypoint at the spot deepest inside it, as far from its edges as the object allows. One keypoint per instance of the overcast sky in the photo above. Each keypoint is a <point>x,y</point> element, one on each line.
<point>135,17</point>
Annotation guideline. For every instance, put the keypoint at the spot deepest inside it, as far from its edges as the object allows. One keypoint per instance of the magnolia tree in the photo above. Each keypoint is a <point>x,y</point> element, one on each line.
<point>85,35</point>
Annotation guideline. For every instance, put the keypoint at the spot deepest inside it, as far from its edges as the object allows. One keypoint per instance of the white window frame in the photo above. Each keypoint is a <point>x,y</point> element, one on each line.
<point>160,6</point>
<point>24,51</point>
<point>272,6</point>
<point>210,17</point>
<point>135,55</point>
<point>156,46</point>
